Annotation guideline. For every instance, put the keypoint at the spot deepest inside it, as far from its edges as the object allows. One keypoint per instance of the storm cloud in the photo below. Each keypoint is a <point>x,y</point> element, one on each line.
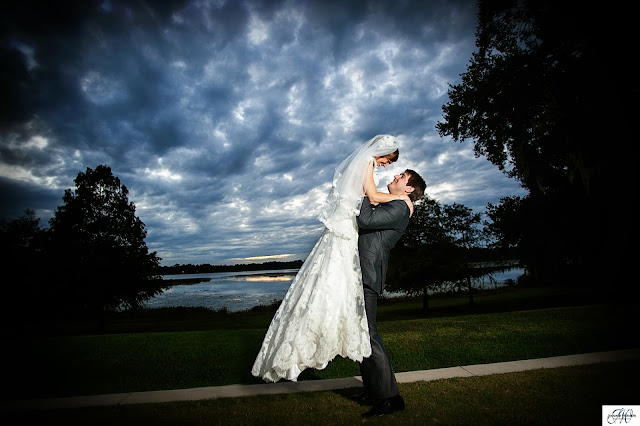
<point>226,119</point>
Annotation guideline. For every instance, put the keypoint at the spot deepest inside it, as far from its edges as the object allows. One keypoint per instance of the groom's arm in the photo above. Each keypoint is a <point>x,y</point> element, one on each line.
<point>383,216</point>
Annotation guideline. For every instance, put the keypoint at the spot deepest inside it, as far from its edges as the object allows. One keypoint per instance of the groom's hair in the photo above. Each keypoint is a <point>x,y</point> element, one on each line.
<point>418,184</point>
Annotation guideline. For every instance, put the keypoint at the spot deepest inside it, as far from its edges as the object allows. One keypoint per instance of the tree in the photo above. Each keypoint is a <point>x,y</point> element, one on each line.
<point>529,97</point>
<point>23,244</point>
<point>418,261</point>
<point>102,259</point>
<point>505,226</point>
<point>434,250</point>
<point>532,101</point>
<point>463,227</point>
<point>426,224</point>
<point>20,233</point>
<point>461,224</point>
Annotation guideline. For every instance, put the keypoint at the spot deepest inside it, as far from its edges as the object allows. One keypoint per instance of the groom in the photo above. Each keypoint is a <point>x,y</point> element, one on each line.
<point>381,226</point>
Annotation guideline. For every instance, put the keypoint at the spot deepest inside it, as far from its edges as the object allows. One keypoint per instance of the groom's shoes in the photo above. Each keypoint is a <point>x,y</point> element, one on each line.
<point>386,406</point>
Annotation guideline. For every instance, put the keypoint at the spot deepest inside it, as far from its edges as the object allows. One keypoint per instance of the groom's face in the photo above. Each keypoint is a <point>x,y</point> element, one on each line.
<point>399,185</point>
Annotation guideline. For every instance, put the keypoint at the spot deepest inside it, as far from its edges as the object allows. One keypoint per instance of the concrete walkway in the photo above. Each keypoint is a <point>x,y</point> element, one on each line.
<point>234,391</point>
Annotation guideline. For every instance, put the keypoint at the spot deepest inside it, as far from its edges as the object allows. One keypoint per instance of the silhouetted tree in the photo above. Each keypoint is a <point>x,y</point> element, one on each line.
<point>529,97</point>
<point>426,224</point>
<point>462,224</point>
<point>23,257</point>
<point>434,250</point>
<point>419,260</point>
<point>533,101</point>
<point>102,260</point>
<point>20,234</point>
<point>506,226</point>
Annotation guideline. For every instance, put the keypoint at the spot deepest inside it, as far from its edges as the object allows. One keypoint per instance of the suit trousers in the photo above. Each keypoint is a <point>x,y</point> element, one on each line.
<point>378,377</point>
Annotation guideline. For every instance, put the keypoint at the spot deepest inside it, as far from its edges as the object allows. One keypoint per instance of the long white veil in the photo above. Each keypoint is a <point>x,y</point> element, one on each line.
<point>344,200</point>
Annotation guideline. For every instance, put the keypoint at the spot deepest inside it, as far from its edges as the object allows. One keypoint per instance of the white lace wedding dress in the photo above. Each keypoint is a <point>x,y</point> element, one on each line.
<point>322,315</point>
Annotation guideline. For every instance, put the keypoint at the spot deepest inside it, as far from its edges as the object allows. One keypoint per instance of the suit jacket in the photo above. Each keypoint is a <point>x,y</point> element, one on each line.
<point>381,227</point>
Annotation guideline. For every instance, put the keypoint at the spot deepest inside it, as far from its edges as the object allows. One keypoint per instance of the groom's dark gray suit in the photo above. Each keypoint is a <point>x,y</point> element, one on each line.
<point>381,227</point>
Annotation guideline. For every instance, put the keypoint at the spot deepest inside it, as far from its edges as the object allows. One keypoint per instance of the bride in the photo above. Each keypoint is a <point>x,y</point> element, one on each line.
<point>322,314</point>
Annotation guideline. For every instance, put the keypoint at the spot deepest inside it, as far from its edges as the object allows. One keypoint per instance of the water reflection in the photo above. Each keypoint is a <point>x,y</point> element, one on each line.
<point>238,291</point>
<point>234,291</point>
<point>267,279</point>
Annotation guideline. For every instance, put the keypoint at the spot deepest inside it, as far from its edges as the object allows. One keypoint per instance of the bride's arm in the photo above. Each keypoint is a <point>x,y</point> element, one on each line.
<point>372,193</point>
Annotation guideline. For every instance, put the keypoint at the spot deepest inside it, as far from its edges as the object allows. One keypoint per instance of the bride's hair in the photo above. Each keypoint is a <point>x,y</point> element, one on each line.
<point>393,157</point>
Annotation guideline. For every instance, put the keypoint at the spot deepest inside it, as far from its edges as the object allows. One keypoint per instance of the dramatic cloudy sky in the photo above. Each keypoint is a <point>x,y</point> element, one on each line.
<point>226,118</point>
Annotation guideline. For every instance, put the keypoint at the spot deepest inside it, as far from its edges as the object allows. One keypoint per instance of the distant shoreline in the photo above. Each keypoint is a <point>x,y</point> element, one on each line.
<point>197,280</point>
<point>185,281</point>
<point>207,268</point>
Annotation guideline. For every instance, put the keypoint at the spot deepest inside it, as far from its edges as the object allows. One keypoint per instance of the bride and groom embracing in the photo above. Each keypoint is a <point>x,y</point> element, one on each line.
<point>330,307</point>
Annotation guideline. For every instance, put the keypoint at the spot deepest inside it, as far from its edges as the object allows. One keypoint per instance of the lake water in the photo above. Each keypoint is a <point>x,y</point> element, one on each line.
<point>238,291</point>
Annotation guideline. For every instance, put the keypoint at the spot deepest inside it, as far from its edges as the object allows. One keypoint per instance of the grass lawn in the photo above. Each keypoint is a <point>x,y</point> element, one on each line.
<point>560,396</point>
<point>193,348</point>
